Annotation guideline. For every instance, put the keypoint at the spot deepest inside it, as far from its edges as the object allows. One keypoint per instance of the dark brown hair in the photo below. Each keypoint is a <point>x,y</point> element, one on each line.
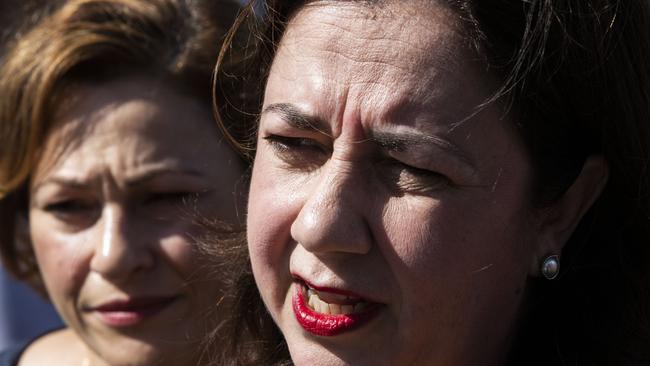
<point>575,77</point>
<point>90,41</point>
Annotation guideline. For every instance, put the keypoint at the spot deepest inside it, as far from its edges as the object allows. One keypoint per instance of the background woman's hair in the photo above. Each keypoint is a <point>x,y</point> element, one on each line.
<point>575,79</point>
<point>88,42</point>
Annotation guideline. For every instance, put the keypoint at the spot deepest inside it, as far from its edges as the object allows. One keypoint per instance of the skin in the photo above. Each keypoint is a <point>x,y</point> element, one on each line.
<point>366,180</point>
<point>111,218</point>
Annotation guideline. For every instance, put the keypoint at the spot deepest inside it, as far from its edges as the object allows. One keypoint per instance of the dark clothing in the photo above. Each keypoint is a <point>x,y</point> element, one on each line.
<point>10,356</point>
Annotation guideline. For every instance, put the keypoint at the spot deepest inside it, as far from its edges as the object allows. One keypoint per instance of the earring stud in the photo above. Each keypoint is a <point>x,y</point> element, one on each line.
<point>551,267</point>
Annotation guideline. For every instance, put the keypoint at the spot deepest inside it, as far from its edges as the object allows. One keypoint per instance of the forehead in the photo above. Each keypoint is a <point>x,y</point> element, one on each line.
<point>127,122</point>
<point>394,58</point>
<point>394,30</point>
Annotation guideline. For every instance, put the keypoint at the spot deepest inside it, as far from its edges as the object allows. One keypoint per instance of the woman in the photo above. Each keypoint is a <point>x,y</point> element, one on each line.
<point>109,152</point>
<point>454,182</point>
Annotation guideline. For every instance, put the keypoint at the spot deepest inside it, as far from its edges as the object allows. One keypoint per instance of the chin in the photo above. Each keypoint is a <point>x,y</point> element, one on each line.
<point>133,352</point>
<point>306,352</point>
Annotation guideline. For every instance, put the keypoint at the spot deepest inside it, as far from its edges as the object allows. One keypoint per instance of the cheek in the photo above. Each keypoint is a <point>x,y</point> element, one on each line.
<point>180,253</point>
<point>274,203</point>
<point>63,261</point>
<point>465,253</point>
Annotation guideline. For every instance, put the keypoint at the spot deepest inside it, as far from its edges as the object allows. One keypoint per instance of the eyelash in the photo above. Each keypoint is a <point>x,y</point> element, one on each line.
<point>417,180</point>
<point>67,206</point>
<point>298,152</point>
<point>284,142</point>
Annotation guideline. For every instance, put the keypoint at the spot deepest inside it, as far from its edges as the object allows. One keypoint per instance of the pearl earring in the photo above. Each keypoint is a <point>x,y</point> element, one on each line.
<point>551,267</point>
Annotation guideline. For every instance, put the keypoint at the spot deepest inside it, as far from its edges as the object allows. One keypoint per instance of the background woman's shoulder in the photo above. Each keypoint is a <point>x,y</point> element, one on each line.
<point>60,347</point>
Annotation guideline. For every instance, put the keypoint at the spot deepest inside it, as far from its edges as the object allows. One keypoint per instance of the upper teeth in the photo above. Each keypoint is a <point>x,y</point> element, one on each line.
<point>323,307</point>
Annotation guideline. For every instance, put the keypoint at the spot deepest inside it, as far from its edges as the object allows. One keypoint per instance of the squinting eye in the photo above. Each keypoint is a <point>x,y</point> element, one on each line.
<point>298,152</point>
<point>405,178</point>
<point>425,174</point>
<point>68,207</point>
<point>289,143</point>
<point>73,212</point>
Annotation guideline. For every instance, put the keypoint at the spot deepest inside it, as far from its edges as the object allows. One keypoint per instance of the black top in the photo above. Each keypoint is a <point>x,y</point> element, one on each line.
<point>10,356</point>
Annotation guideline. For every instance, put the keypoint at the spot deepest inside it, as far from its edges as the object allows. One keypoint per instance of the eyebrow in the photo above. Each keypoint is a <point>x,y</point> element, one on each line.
<point>150,174</point>
<point>132,181</point>
<point>73,183</point>
<point>401,142</point>
<point>297,118</point>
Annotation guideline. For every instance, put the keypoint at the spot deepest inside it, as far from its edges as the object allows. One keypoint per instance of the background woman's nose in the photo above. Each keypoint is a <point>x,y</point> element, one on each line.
<point>119,250</point>
<point>333,217</point>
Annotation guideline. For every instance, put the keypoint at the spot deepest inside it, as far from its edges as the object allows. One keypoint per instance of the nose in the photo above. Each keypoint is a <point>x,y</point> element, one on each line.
<point>119,251</point>
<point>333,217</point>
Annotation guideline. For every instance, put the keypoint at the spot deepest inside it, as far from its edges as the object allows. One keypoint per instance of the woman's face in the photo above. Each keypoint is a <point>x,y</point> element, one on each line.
<point>387,224</point>
<point>124,173</point>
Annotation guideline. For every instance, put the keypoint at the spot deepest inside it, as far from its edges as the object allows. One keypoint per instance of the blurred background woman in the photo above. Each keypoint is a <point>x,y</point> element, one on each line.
<point>453,182</point>
<point>108,153</point>
<point>23,313</point>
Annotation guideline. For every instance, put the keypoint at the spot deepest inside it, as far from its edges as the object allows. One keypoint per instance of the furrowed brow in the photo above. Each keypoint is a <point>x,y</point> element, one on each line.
<point>296,118</point>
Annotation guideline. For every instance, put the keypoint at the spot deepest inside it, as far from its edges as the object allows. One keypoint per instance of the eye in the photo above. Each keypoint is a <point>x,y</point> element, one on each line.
<point>406,178</point>
<point>72,211</point>
<point>67,207</point>
<point>299,152</point>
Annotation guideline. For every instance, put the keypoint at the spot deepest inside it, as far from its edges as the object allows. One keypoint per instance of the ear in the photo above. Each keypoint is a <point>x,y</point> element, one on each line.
<point>556,223</point>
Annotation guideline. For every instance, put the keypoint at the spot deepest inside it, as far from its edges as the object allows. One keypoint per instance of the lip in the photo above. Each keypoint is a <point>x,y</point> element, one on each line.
<point>129,312</point>
<point>329,325</point>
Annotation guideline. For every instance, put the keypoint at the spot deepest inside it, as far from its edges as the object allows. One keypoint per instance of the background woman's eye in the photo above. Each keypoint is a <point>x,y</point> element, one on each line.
<point>69,207</point>
<point>298,152</point>
<point>74,212</point>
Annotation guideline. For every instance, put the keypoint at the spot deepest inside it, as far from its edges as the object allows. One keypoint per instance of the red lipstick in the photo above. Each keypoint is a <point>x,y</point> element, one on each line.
<point>126,313</point>
<point>328,325</point>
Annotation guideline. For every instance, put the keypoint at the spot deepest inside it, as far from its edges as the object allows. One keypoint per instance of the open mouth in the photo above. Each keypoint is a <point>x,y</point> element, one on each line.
<point>329,312</point>
<point>333,304</point>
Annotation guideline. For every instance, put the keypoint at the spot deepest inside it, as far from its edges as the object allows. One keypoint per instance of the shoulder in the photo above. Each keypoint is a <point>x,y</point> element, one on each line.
<point>46,350</point>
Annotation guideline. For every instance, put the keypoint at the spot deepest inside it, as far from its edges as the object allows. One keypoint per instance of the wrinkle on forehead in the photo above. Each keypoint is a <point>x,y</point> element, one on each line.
<point>352,26</point>
<point>126,130</point>
<point>404,53</point>
<point>379,45</point>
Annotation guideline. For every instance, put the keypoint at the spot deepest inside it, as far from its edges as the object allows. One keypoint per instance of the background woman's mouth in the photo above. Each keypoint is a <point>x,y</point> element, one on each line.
<point>328,314</point>
<point>131,312</point>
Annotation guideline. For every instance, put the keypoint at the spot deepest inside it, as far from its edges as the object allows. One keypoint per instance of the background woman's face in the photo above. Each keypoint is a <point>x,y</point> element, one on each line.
<point>373,195</point>
<point>111,219</point>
